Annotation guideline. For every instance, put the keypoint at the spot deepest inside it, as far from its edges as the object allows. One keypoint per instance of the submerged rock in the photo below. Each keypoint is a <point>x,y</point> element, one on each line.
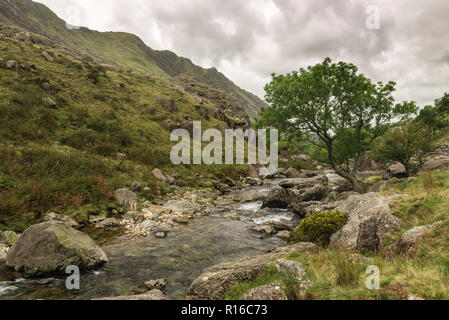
<point>48,248</point>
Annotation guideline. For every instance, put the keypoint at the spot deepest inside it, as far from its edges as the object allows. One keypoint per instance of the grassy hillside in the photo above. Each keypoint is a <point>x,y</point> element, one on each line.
<point>123,50</point>
<point>63,157</point>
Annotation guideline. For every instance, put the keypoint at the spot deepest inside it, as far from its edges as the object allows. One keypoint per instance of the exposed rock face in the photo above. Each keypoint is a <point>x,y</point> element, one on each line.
<point>367,163</point>
<point>48,248</point>
<point>127,198</point>
<point>408,243</point>
<point>217,280</point>
<point>370,221</point>
<point>278,198</point>
<point>271,292</point>
<point>154,295</point>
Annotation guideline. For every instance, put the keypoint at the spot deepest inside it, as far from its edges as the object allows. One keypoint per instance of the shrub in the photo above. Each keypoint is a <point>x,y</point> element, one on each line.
<point>319,227</point>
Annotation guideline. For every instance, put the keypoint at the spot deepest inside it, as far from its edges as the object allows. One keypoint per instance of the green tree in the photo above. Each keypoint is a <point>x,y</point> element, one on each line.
<point>333,106</point>
<point>407,143</point>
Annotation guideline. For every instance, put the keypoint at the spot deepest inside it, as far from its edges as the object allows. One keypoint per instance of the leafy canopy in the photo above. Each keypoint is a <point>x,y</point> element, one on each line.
<point>335,107</point>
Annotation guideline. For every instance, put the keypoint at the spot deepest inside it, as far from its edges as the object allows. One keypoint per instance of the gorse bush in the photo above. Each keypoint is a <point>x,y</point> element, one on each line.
<point>319,227</point>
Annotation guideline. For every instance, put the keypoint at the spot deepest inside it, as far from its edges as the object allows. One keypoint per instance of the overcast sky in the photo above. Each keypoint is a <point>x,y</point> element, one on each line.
<point>248,40</point>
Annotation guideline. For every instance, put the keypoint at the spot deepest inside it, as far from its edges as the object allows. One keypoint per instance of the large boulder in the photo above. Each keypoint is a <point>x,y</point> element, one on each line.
<point>370,221</point>
<point>408,243</point>
<point>316,193</point>
<point>217,280</point>
<point>50,247</point>
<point>278,198</point>
<point>127,198</point>
<point>397,170</point>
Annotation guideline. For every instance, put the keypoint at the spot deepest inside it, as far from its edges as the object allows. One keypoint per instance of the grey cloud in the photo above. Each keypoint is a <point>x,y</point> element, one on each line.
<point>250,39</point>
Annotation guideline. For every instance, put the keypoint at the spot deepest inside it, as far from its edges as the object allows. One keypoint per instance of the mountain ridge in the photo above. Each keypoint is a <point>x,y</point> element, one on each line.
<point>120,49</point>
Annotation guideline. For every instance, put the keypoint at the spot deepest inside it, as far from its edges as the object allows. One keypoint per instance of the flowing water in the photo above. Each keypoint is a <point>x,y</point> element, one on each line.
<point>179,258</point>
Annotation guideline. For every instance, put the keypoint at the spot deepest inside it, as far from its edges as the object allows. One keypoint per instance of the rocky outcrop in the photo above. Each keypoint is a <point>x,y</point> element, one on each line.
<point>370,221</point>
<point>408,243</point>
<point>293,173</point>
<point>217,280</point>
<point>439,162</point>
<point>127,198</point>
<point>153,295</point>
<point>271,292</point>
<point>338,183</point>
<point>48,248</point>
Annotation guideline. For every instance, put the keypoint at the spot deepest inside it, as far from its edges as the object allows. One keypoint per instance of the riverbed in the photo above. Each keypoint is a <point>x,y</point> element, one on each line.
<point>179,258</point>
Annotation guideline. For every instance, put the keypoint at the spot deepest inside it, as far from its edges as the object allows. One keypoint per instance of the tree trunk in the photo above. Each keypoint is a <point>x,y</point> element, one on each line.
<point>356,186</point>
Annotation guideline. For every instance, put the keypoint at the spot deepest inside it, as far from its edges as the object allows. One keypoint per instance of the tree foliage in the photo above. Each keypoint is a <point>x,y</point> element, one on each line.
<point>407,144</point>
<point>334,106</point>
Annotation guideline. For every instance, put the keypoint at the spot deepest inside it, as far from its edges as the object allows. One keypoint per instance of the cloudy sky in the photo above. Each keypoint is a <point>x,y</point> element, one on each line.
<point>250,39</point>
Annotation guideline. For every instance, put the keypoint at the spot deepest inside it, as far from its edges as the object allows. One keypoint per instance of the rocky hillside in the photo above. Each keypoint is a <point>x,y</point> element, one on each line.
<point>74,131</point>
<point>122,50</point>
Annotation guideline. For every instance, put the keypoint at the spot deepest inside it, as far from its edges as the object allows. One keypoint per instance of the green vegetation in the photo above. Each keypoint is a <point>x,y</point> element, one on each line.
<point>319,227</point>
<point>122,50</point>
<point>334,107</point>
<point>408,144</point>
<point>341,275</point>
<point>63,157</point>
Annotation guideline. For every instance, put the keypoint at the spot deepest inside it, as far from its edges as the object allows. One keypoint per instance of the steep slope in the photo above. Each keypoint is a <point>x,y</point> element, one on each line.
<point>123,50</point>
<point>64,121</point>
